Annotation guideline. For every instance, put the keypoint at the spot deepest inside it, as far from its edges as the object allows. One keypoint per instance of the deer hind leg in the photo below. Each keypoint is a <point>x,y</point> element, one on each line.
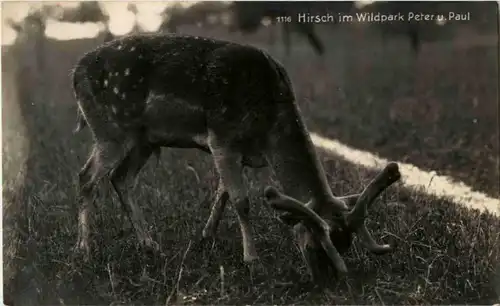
<point>103,159</point>
<point>86,205</point>
<point>286,38</point>
<point>229,166</point>
<point>129,168</point>
<point>308,31</point>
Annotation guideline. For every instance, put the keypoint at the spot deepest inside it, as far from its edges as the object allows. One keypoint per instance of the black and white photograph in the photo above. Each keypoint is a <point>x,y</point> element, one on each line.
<point>250,153</point>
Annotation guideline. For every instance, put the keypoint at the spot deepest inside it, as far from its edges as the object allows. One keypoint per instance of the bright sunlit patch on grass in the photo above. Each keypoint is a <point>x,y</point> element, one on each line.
<point>430,182</point>
<point>362,3</point>
<point>149,21</point>
<point>8,36</point>
<point>15,11</point>
<point>67,31</point>
<point>121,20</point>
<point>122,23</point>
<point>151,7</point>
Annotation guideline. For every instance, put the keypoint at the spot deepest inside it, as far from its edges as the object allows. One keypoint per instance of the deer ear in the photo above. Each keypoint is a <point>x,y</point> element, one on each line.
<point>272,194</point>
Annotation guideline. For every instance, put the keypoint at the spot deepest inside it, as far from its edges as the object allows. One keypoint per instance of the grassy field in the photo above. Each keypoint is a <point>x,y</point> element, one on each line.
<point>445,254</point>
<point>438,112</point>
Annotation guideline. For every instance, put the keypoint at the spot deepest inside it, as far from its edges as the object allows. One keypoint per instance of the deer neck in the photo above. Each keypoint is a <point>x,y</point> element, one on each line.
<point>296,163</point>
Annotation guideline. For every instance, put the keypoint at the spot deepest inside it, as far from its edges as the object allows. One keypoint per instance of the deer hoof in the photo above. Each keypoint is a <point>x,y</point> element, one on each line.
<point>82,248</point>
<point>148,243</point>
<point>248,258</point>
<point>383,249</point>
<point>207,233</point>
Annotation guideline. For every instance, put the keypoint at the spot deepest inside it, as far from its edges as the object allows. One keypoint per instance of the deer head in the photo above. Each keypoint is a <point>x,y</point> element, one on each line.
<point>331,235</point>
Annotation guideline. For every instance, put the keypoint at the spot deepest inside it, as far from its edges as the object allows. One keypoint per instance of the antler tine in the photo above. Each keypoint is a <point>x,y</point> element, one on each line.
<point>368,242</point>
<point>280,201</point>
<point>350,200</point>
<point>359,202</point>
<point>291,219</point>
<point>357,216</point>
<point>364,234</point>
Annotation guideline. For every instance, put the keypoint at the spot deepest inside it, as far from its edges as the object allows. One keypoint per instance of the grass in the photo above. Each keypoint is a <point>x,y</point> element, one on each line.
<point>445,254</point>
<point>438,112</point>
<point>443,119</point>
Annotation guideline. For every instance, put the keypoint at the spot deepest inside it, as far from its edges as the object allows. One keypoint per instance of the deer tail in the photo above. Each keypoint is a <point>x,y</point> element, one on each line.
<point>80,121</point>
<point>157,154</point>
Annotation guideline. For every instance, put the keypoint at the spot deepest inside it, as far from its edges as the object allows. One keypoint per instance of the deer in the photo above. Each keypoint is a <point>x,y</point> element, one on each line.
<point>247,18</point>
<point>140,93</point>
<point>175,16</point>
<point>411,29</point>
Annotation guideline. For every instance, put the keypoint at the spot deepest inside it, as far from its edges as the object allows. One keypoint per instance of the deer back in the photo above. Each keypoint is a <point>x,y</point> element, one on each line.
<point>149,80</point>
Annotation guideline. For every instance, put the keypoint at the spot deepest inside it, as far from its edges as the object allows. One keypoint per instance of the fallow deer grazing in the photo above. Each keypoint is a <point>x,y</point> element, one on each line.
<point>247,17</point>
<point>143,92</point>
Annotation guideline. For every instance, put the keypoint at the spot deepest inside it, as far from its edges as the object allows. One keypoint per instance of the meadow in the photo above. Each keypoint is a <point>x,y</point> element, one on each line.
<point>437,111</point>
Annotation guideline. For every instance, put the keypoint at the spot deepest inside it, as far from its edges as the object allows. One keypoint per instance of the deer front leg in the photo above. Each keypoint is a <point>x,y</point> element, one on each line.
<point>229,166</point>
<point>221,198</point>
<point>309,254</point>
<point>286,38</point>
<point>135,215</point>
<point>254,160</point>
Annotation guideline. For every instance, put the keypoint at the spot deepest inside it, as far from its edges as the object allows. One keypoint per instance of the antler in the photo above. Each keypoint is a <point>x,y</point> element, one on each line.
<point>354,219</point>
<point>319,226</point>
